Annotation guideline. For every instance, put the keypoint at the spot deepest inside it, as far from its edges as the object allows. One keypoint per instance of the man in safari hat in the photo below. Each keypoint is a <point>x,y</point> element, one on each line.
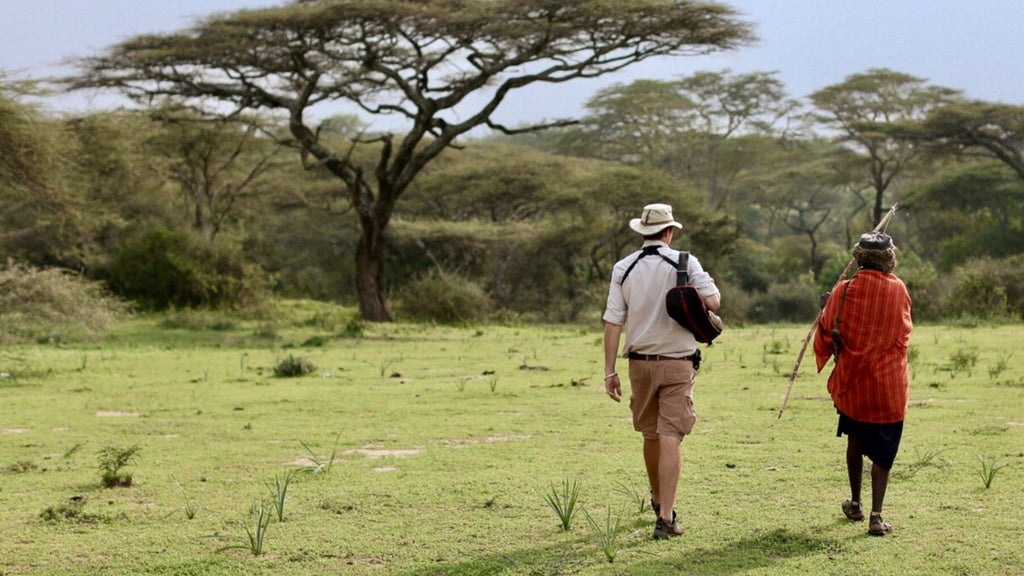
<point>866,327</point>
<point>663,356</point>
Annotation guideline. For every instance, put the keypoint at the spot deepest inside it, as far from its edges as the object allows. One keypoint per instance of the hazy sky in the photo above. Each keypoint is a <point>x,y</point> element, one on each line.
<point>976,46</point>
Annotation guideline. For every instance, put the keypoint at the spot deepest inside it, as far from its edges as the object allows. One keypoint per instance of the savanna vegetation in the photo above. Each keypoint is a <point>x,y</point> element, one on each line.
<point>183,202</point>
<point>242,334</point>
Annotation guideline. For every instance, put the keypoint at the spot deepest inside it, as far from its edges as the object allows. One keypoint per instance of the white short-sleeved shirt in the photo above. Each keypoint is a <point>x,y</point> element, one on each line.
<point>639,302</point>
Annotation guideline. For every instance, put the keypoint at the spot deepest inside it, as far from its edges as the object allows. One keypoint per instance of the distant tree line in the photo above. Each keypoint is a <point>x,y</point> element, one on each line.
<point>170,205</point>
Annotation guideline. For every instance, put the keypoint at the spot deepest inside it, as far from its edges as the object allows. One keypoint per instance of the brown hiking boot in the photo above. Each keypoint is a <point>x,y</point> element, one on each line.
<point>663,530</point>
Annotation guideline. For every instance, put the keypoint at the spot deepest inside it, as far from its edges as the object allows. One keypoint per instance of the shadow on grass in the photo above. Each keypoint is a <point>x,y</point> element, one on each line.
<point>758,550</point>
<point>684,556</point>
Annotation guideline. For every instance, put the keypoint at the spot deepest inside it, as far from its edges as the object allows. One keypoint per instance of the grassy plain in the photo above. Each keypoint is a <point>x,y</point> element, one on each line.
<point>435,448</point>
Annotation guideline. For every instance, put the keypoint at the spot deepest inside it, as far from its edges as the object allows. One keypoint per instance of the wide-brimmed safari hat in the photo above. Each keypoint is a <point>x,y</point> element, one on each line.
<point>654,219</point>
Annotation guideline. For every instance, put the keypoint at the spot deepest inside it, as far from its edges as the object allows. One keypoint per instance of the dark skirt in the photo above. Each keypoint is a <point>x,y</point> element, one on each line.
<point>879,442</point>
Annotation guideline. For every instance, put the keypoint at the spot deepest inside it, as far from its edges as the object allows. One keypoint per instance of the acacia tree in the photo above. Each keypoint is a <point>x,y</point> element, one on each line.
<point>803,190</point>
<point>32,152</point>
<point>444,66</point>
<point>865,107</point>
<point>726,106</point>
<point>24,151</point>
<point>684,127</point>
<point>977,128</point>
<point>634,123</point>
<point>215,163</point>
<point>50,211</point>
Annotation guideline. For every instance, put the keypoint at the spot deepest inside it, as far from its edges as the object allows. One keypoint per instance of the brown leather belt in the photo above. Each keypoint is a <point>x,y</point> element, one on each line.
<point>657,357</point>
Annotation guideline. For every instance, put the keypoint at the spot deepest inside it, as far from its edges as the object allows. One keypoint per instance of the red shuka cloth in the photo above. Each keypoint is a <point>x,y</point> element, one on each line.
<point>870,380</point>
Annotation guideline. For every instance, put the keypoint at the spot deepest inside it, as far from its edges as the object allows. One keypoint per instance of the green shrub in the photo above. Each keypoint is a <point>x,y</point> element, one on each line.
<point>70,510</point>
<point>922,282</point>
<point>790,302</point>
<point>976,294</point>
<point>444,297</point>
<point>354,328</point>
<point>161,268</point>
<point>293,366</point>
<point>53,305</point>
<point>999,279</point>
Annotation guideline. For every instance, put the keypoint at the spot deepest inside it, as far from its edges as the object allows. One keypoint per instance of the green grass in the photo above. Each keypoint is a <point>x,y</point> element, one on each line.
<point>563,502</point>
<point>437,471</point>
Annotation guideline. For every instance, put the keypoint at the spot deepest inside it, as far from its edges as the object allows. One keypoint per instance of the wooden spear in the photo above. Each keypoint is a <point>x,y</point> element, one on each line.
<point>882,224</point>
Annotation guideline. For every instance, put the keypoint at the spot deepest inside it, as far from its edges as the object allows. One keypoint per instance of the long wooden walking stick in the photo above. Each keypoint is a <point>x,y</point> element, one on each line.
<point>882,224</point>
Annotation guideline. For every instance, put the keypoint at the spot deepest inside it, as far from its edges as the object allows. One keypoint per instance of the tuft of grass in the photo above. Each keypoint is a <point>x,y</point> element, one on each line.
<point>72,509</point>
<point>279,493</point>
<point>776,347</point>
<point>605,534</point>
<point>255,530</point>
<point>920,462</point>
<point>320,465</point>
<point>637,497</point>
<point>383,366</point>
<point>564,502</point>
<point>189,508</point>
<point>988,470</point>
<point>1002,363</point>
<point>112,461</point>
<point>21,467</point>
<point>963,360</point>
<point>913,356</point>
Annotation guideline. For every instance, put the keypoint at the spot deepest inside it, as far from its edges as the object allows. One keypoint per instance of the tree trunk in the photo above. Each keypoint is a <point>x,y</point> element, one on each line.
<point>370,273</point>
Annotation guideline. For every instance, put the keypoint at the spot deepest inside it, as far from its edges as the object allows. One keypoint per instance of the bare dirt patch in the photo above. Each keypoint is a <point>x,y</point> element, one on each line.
<point>507,438</point>
<point>116,414</point>
<point>374,453</point>
<point>467,442</point>
<point>303,462</point>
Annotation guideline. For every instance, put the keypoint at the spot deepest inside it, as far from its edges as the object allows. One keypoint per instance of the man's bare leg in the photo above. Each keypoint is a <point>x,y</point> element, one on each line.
<point>652,455</point>
<point>854,467</point>
<point>668,474</point>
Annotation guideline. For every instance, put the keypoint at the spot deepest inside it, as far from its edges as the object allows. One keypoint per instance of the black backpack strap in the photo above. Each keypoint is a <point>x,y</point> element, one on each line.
<point>682,269</point>
<point>646,251</point>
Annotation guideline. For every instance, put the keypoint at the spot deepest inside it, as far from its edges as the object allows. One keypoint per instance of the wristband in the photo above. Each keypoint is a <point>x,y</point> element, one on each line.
<point>612,375</point>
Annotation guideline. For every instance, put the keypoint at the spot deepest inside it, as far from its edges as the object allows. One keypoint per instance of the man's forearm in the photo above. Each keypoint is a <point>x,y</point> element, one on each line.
<point>612,332</point>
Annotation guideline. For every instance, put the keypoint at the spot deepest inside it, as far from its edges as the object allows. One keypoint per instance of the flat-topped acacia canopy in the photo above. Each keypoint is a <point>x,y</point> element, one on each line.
<point>422,60</point>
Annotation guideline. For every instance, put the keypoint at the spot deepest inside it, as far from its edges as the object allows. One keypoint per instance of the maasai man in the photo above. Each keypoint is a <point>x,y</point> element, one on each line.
<point>865,325</point>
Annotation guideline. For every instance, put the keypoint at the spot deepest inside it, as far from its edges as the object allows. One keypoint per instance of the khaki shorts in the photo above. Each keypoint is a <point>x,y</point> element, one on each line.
<point>662,397</point>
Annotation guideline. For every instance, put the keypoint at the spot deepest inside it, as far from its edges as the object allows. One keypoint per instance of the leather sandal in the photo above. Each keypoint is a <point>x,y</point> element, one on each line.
<point>852,511</point>
<point>877,527</point>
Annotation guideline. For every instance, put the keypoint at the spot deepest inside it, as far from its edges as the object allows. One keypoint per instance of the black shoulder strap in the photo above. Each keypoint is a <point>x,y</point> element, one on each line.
<point>646,251</point>
<point>682,269</point>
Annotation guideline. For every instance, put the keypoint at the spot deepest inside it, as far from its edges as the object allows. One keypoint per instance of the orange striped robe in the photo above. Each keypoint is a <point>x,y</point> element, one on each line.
<point>870,381</point>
